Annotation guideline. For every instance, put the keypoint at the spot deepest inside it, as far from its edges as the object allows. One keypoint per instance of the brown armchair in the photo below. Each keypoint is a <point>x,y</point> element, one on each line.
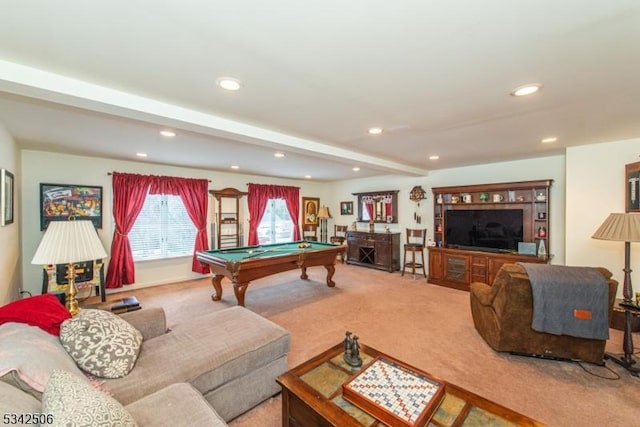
<point>503,312</point>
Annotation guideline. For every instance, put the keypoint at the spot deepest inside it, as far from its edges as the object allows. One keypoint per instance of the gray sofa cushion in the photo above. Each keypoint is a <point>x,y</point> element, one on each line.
<point>174,406</point>
<point>73,402</point>
<point>15,401</point>
<point>29,356</point>
<point>207,352</point>
<point>101,343</point>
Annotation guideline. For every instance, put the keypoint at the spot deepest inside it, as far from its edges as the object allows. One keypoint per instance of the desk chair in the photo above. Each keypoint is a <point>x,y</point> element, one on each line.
<point>339,237</point>
<point>416,241</point>
<point>310,233</point>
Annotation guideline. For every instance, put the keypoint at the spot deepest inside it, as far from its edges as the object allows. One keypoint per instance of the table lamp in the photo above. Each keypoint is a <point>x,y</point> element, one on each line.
<point>323,215</point>
<point>68,242</point>
<point>624,227</point>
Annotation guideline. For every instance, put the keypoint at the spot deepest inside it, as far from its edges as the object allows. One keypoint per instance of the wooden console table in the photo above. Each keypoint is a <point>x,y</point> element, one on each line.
<point>374,250</point>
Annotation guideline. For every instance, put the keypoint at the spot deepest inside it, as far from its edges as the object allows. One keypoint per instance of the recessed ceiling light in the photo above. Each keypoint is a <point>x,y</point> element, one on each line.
<point>355,169</point>
<point>375,131</point>
<point>307,176</point>
<point>549,140</point>
<point>434,157</point>
<point>527,89</point>
<point>229,83</point>
<point>168,133</point>
<point>278,155</point>
<point>235,167</point>
<point>141,154</point>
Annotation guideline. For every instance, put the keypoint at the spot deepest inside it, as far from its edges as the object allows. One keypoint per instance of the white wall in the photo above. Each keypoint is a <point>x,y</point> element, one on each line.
<point>588,181</point>
<point>523,170</point>
<point>595,188</point>
<point>9,234</point>
<point>44,167</point>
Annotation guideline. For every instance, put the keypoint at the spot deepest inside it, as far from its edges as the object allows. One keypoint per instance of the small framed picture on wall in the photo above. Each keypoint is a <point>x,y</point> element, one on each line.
<point>6,197</point>
<point>310,207</point>
<point>346,208</point>
<point>632,187</point>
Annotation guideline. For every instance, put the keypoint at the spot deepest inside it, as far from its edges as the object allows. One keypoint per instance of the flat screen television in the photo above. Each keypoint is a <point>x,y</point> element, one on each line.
<point>484,229</point>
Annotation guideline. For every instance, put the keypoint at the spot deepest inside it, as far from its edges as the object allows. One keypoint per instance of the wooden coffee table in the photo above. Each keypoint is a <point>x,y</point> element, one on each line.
<point>312,396</point>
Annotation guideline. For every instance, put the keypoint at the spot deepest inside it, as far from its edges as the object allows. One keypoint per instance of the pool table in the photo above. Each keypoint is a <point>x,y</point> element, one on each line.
<point>244,264</point>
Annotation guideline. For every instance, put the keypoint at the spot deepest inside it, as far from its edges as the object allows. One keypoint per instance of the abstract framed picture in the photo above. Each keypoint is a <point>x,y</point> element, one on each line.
<point>310,206</point>
<point>59,202</point>
<point>346,208</point>
<point>632,187</point>
<point>6,197</point>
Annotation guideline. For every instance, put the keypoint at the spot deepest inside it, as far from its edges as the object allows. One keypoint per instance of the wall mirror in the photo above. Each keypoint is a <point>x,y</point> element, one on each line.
<point>378,206</point>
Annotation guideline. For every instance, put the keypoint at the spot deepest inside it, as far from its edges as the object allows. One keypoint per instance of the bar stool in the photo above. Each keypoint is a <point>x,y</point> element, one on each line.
<point>416,241</point>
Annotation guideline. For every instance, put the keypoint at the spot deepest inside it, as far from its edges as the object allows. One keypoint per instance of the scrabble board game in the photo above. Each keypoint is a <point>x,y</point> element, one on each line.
<point>394,393</point>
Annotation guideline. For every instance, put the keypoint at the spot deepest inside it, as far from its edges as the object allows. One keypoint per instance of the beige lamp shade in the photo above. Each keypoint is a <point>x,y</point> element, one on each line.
<point>323,213</point>
<point>69,241</point>
<point>621,227</point>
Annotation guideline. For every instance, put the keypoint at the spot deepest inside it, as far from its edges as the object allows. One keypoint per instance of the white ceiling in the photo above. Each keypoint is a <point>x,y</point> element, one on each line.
<point>101,78</point>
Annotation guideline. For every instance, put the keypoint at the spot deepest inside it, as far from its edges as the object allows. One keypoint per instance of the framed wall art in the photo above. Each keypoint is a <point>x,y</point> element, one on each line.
<point>310,206</point>
<point>632,187</point>
<point>59,202</point>
<point>346,208</point>
<point>6,197</point>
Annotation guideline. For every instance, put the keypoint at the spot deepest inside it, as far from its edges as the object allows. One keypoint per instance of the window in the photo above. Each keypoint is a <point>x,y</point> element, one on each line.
<point>162,230</point>
<point>276,225</point>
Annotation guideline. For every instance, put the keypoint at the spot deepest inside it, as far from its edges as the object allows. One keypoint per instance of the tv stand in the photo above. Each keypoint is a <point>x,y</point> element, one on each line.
<point>457,267</point>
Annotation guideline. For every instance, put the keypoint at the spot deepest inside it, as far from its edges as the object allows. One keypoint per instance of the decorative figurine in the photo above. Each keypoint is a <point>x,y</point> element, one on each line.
<point>351,350</point>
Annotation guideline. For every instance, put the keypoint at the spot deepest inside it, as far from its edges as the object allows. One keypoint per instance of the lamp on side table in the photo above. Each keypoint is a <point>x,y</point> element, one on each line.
<point>68,242</point>
<point>624,227</point>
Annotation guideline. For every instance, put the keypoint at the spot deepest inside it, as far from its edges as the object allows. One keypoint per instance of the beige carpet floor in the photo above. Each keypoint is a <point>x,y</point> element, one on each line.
<point>425,325</point>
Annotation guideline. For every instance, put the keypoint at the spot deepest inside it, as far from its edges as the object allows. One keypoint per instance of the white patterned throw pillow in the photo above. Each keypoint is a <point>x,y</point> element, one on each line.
<point>72,402</point>
<point>101,343</point>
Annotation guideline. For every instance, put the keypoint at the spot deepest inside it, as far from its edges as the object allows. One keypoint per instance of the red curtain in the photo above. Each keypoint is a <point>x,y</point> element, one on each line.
<point>193,193</point>
<point>259,195</point>
<point>129,192</point>
<point>368,204</point>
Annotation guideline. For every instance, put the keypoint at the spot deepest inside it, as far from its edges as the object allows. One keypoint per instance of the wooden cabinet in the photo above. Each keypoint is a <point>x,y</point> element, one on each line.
<point>374,250</point>
<point>457,268</point>
<point>457,265</point>
<point>229,229</point>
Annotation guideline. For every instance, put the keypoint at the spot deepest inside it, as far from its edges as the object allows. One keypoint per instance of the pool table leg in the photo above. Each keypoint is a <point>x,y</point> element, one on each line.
<point>330,270</point>
<point>239,289</point>
<point>216,279</point>
<point>303,275</point>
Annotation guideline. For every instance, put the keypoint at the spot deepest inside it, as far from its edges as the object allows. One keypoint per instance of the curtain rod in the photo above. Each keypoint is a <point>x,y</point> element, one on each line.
<point>111,173</point>
<point>276,185</point>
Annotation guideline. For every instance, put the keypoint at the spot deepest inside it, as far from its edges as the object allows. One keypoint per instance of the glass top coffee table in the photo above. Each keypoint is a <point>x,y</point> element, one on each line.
<point>312,396</point>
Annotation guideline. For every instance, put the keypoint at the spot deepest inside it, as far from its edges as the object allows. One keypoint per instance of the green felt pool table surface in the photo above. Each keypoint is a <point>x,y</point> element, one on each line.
<point>244,264</point>
<point>261,251</point>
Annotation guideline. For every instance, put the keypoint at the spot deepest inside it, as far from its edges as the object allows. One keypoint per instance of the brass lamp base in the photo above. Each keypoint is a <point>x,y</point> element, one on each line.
<point>71,301</point>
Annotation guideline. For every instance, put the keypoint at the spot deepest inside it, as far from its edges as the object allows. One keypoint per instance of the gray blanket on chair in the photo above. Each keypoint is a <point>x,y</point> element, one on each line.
<point>569,300</point>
